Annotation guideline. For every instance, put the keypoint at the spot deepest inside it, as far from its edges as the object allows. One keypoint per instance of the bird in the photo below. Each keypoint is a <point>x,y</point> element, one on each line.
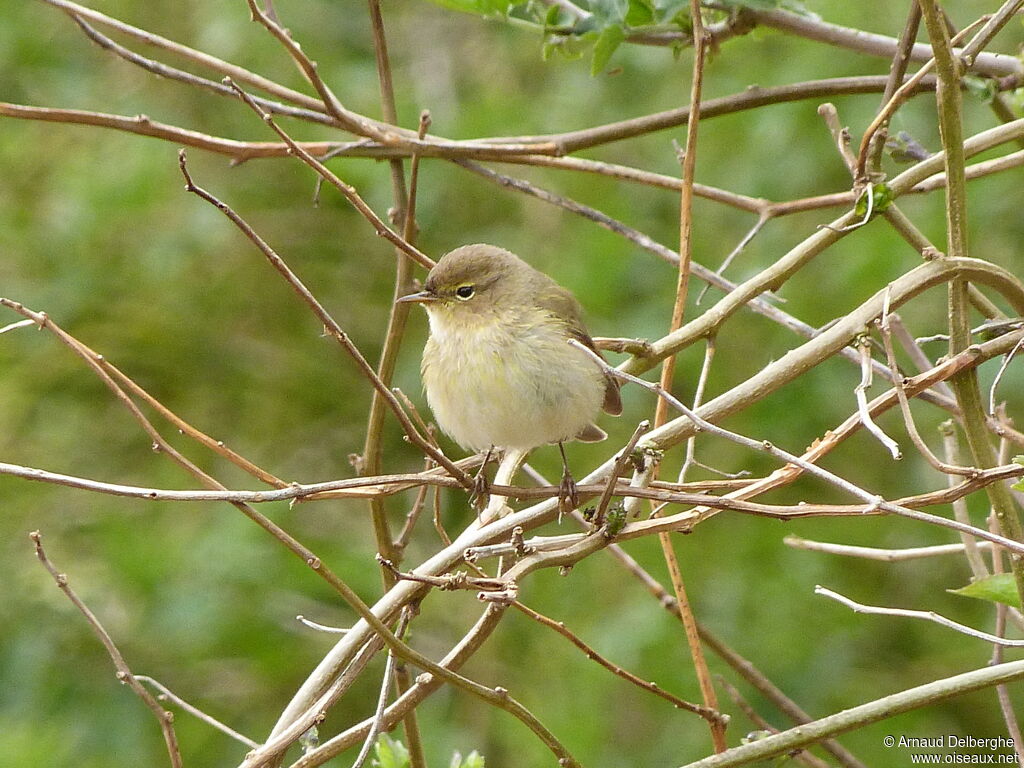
<point>498,369</point>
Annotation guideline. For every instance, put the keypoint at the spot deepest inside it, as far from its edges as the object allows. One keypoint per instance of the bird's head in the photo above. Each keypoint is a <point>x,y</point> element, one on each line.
<point>475,282</point>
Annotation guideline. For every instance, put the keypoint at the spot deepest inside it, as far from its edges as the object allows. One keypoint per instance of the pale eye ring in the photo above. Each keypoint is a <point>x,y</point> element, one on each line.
<point>465,292</point>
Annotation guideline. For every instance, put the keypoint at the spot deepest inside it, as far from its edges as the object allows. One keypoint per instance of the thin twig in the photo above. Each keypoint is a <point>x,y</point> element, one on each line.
<point>968,393</point>
<point>801,756</point>
<point>615,669</point>
<point>233,71</point>
<point>352,121</point>
<point>173,73</point>
<point>863,715</point>
<point>328,322</point>
<point>745,668</point>
<point>169,695</point>
<point>698,398</point>
<point>382,701</point>
<point>914,614</point>
<point>401,218</point>
<point>753,97</point>
<point>908,418</point>
<point>864,346</point>
<point>347,190</point>
<point>876,553</point>
<point>897,71</point>
<point>999,376</point>
<point>902,93</point>
<point>951,447</point>
<point>124,673</point>
<point>873,501</point>
<point>621,461</point>
<point>17,324</point>
<point>991,64</point>
<point>320,627</point>
<point>423,687</point>
<point>688,162</point>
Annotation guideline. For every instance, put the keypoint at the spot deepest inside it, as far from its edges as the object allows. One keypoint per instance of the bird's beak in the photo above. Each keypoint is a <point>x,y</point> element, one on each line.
<point>423,297</point>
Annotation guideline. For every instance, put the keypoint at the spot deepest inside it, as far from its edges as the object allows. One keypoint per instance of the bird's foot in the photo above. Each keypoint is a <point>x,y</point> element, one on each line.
<point>568,496</point>
<point>481,485</point>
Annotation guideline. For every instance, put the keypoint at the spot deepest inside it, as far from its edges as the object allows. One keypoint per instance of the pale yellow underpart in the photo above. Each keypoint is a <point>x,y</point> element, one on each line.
<point>516,384</point>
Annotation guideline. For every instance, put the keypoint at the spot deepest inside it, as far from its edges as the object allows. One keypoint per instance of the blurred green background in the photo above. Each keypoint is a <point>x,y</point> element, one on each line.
<point>96,230</point>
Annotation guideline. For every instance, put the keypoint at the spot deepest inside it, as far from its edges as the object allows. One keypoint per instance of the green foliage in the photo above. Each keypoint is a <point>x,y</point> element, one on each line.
<point>881,198</point>
<point>1020,485</point>
<point>479,7</point>
<point>997,588</point>
<point>616,518</point>
<point>609,39</point>
<point>793,6</point>
<point>983,88</point>
<point>473,760</point>
<point>905,149</point>
<point>390,753</point>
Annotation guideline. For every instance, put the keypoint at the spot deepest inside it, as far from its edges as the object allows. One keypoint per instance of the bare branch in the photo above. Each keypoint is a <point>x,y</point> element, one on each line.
<point>168,695</point>
<point>876,553</point>
<point>124,674</point>
<point>864,714</point>
<point>926,615</point>
<point>615,669</point>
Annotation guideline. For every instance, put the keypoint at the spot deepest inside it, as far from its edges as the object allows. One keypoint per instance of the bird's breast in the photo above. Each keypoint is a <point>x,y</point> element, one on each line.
<point>512,384</point>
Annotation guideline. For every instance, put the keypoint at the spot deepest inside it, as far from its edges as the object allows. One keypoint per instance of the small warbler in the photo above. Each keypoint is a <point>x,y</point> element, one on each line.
<point>498,369</point>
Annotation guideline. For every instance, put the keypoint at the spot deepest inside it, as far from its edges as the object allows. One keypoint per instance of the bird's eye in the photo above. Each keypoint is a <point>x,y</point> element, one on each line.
<point>465,292</point>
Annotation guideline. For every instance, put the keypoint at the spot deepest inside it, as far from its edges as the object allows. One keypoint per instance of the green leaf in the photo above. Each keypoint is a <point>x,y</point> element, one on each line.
<point>983,88</point>
<point>390,753</point>
<point>310,740</point>
<point>607,12</point>
<point>615,519</point>
<point>479,7</point>
<point>666,12</point>
<point>757,5</point>
<point>1018,486</point>
<point>607,42</point>
<point>881,198</point>
<point>793,6</point>
<point>998,588</point>
<point>465,6</point>
<point>473,760</point>
<point>640,13</point>
<point>570,46</point>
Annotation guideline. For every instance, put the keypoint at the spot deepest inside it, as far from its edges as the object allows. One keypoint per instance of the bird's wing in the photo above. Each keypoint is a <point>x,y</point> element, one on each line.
<point>560,303</point>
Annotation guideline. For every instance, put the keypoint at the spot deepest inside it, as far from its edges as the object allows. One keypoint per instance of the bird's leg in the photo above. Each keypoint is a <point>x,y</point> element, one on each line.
<point>481,485</point>
<point>568,496</point>
<point>507,468</point>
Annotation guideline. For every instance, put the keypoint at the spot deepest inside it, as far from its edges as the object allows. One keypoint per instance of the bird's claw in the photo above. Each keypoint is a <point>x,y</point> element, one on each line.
<point>568,496</point>
<point>481,486</point>
<point>481,490</point>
